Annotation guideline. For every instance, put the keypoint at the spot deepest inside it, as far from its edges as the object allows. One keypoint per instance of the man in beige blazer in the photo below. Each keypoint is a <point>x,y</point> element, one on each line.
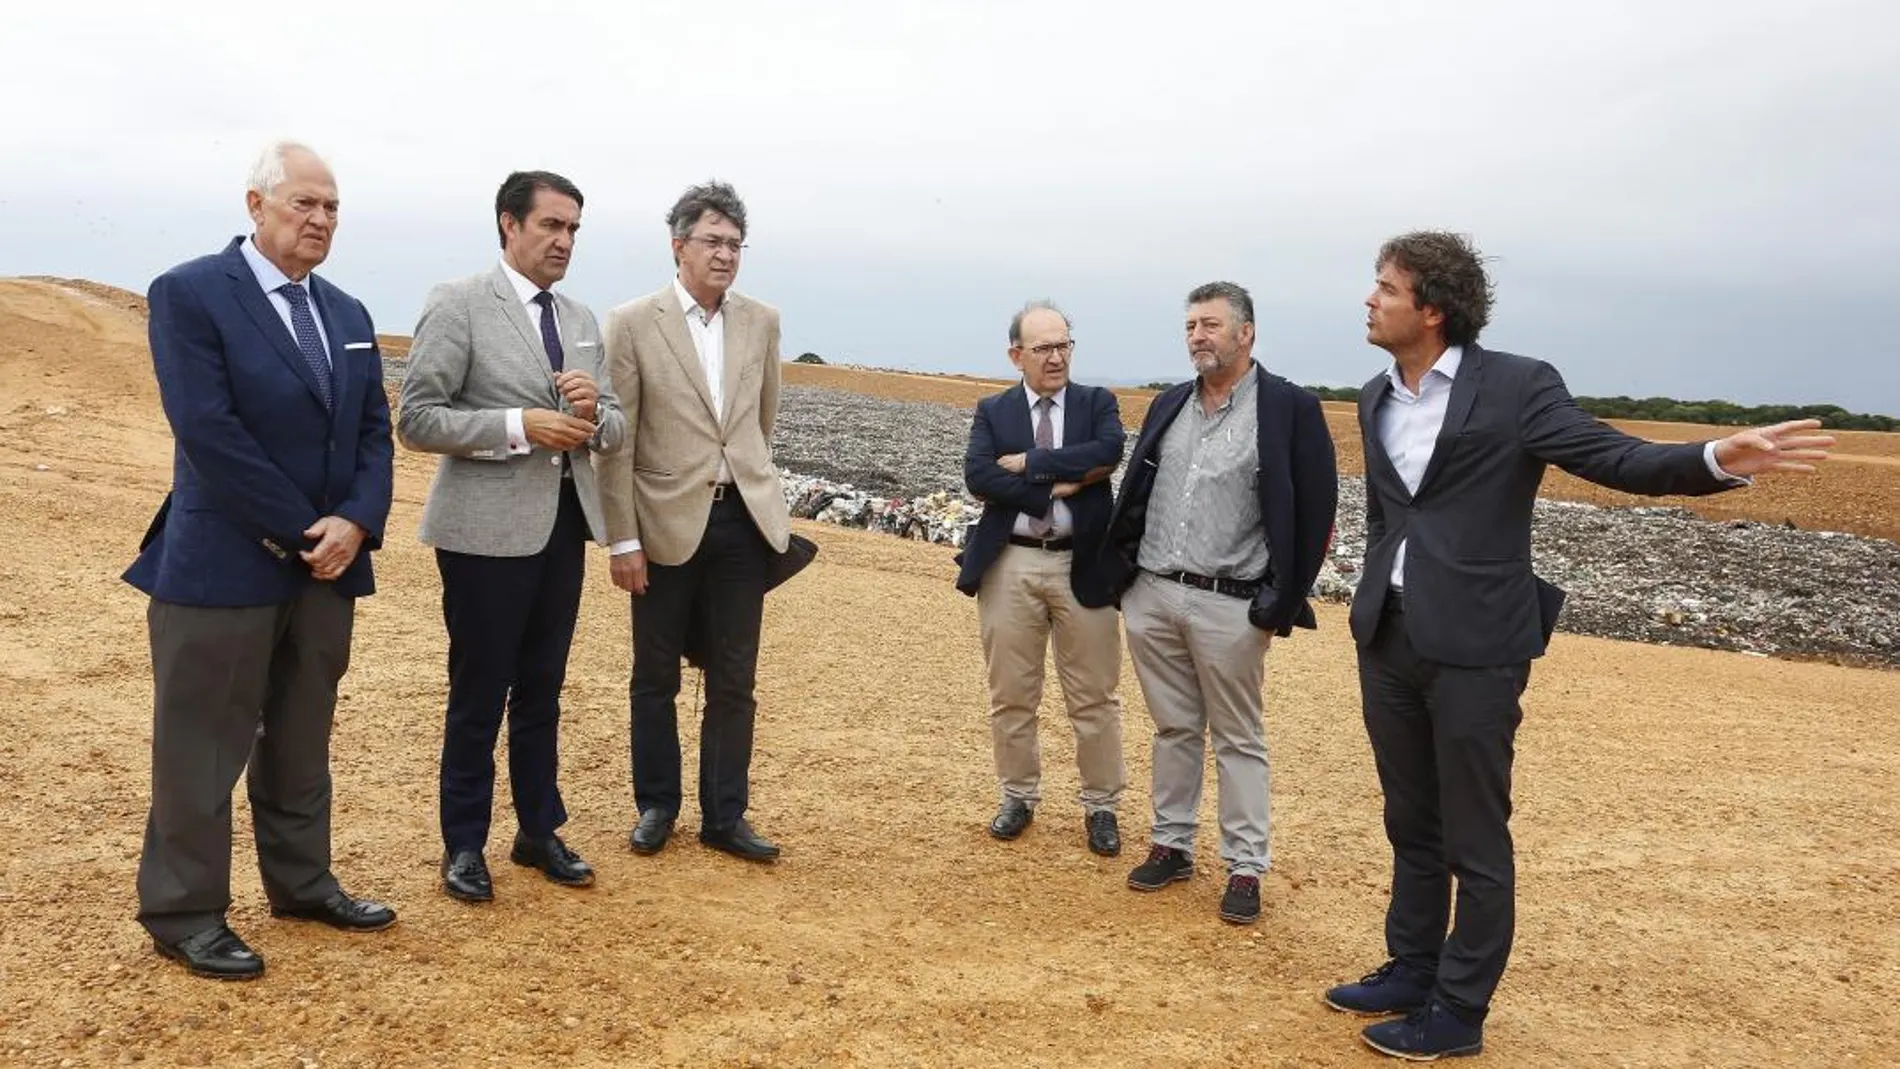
<point>695,513</point>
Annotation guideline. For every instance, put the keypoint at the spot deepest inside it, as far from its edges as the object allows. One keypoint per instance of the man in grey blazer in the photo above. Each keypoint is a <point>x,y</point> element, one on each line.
<point>505,382</point>
<point>1449,614</point>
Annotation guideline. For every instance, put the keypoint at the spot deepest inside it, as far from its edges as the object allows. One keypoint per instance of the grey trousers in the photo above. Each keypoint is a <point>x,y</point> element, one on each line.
<point>1026,596</point>
<point>1201,665</point>
<point>238,687</point>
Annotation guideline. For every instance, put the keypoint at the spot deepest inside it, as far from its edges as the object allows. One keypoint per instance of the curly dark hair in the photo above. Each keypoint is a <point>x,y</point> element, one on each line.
<point>1447,274</point>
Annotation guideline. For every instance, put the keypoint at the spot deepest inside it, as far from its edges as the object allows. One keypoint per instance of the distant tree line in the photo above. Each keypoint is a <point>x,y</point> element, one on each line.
<point>1670,410</point>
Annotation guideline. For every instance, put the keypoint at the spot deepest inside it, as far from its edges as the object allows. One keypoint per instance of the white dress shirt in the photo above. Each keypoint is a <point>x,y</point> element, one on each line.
<point>270,278</point>
<point>517,434</point>
<point>1061,524</point>
<point>1409,424</point>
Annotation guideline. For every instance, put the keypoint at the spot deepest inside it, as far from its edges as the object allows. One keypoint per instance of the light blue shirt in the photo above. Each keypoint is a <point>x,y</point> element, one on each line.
<point>270,278</point>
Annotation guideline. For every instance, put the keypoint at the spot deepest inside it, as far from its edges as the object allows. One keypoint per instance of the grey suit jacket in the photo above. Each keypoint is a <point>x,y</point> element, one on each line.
<point>476,355</point>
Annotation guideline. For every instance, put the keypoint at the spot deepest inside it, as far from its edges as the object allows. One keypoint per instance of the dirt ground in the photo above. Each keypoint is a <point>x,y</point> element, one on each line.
<point>1706,841</point>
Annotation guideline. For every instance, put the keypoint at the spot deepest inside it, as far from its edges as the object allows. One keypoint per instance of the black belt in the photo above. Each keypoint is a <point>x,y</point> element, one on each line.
<point>1233,588</point>
<point>721,490</point>
<point>1394,601</point>
<point>1053,545</point>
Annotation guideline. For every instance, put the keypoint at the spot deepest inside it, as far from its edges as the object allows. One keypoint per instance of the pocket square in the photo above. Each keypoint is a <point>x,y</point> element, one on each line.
<point>359,345</point>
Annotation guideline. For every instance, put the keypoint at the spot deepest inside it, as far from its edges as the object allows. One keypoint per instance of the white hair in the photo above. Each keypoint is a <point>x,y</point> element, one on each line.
<point>268,172</point>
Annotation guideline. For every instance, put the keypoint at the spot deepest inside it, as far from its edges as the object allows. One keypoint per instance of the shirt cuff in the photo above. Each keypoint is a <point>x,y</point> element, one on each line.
<point>517,436</point>
<point>631,545</point>
<point>1708,457</point>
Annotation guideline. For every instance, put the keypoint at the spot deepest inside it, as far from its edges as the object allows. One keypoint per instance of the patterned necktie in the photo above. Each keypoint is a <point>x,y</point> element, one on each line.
<point>1045,439</point>
<point>550,333</point>
<point>309,342</point>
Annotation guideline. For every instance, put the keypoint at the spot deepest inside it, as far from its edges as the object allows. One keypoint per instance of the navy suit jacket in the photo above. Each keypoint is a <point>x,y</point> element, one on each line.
<point>1093,438</point>
<point>258,458</point>
<point>1470,596</point>
<point>1297,482</point>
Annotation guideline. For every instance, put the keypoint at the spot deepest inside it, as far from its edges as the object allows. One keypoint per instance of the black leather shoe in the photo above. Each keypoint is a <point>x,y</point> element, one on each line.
<point>1011,819</point>
<point>215,952</point>
<point>554,859</point>
<point>342,911</point>
<point>741,841</point>
<point>1105,837</point>
<point>465,876</point>
<point>654,829</point>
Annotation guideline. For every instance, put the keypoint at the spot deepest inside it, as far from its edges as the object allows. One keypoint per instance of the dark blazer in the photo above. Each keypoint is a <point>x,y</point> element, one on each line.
<point>1470,597</point>
<point>258,458</point>
<point>1297,480</point>
<point>1093,437</point>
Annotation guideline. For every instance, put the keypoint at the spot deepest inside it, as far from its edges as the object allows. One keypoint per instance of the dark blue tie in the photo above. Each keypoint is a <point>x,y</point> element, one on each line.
<point>304,325</point>
<point>550,336</point>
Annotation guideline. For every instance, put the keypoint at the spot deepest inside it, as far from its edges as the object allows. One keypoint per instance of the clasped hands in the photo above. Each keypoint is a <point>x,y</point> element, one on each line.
<point>1017,463</point>
<point>338,541</point>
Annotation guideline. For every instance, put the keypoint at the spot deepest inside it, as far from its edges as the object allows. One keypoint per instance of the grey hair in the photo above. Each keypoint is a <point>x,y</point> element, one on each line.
<point>1236,297</point>
<point>1016,321</point>
<point>267,173</point>
<point>714,196</point>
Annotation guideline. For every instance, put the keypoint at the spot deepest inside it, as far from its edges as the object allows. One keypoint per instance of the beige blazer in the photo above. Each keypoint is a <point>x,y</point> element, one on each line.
<point>658,488</point>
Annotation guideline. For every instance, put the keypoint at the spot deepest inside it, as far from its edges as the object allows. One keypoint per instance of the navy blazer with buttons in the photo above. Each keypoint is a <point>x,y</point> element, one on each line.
<point>1092,438</point>
<point>258,457</point>
<point>1297,481</point>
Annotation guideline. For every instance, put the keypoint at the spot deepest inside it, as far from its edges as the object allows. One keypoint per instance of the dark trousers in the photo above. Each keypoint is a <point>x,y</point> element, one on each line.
<point>240,691</point>
<point>1442,737</point>
<point>713,604</point>
<point>510,623</point>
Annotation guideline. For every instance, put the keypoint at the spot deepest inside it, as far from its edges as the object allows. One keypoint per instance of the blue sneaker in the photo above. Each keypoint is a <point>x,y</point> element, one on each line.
<point>1426,1035</point>
<point>1389,989</point>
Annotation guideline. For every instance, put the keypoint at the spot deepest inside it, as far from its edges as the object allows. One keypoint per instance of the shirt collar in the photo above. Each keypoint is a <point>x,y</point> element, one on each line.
<point>1447,365</point>
<point>689,305</point>
<point>269,276</point>
<point>524,289</point>
<point>1058,397</point>
<point>1243,387</point>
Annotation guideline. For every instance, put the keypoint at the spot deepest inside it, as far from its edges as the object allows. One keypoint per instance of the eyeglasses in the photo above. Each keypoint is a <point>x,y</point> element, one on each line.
<point>1044,352</point>
<point>712,244</point>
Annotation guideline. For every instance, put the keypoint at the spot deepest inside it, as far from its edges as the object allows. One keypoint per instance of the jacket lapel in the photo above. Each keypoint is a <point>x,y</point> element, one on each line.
<point>671,319</point>
<point>737,323</point>
<point>1378,462</point>
<point>1019,424</point>
<point>1464,391</point>
<point>250,296</point>
<point>532,351</point>
<point>341,380</point>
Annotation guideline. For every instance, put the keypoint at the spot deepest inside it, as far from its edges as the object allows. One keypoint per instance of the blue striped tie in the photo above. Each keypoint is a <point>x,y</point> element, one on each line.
<point>308,340</point>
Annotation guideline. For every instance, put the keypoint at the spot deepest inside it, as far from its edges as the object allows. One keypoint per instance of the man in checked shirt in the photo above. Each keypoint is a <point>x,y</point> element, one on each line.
<point>1223,520</point>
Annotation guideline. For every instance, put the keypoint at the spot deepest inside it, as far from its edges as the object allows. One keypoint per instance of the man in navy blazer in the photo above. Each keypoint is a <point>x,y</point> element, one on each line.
<point>273,386</point>
<point>1222,523</point>
<point>1039,459</point>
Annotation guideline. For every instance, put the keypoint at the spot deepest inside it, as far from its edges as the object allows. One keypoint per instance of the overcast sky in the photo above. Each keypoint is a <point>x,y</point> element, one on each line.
<point>1692,199</point>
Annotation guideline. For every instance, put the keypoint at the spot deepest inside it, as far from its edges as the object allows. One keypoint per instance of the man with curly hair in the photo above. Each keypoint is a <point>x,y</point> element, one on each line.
<point>1449,615</point>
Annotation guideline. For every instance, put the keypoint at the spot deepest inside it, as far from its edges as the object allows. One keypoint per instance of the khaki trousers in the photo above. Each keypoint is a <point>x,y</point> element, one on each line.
<point>1201,665</point>
<point>1025,597</point>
